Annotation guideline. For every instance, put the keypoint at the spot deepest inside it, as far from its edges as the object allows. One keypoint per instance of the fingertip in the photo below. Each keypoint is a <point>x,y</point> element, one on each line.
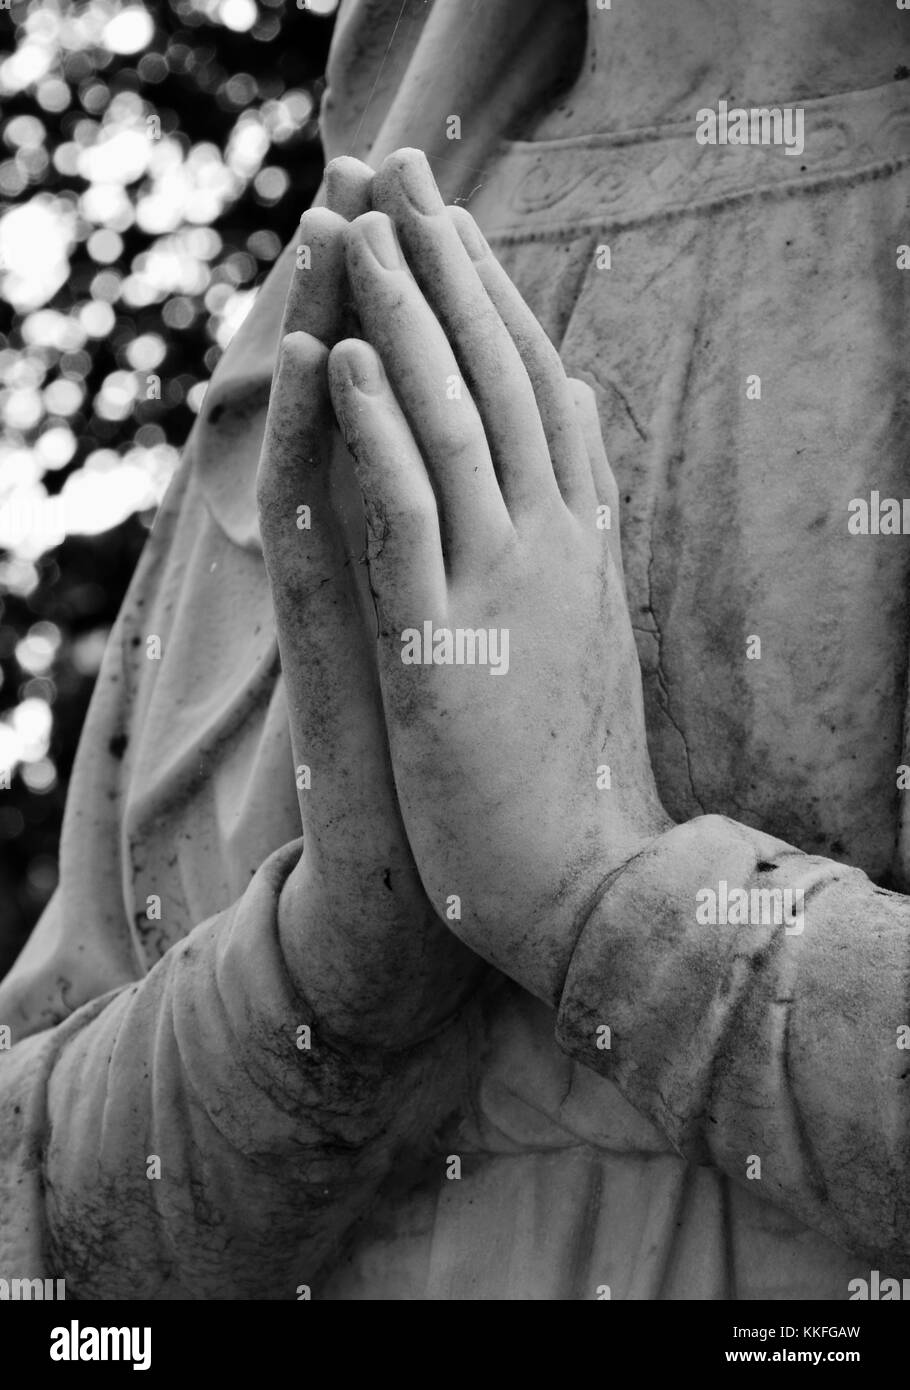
<point>405,157</point>
<point>359,226</point>
<point>301,350</point>
<point>395,169</point>
<point>348,186</point>
<point>372,235</point>
<point>583,392</point>
<point>321,223</point>
<point>348,166</point>
<point>302,361</point>
<point>355,364</point>
<point>472,239</point>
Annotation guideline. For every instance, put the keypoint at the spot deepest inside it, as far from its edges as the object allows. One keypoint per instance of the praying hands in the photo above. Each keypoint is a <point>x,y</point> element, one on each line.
<point>490,509</point>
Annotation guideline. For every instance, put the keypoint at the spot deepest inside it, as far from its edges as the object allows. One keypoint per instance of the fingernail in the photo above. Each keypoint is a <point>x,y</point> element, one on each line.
<point>379,235</point>
<point>419,186</point>
<point>472,238</point>
<point>363,369</point>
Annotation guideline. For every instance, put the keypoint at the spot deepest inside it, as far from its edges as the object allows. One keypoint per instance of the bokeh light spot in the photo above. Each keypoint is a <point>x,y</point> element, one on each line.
<point>129,31</point>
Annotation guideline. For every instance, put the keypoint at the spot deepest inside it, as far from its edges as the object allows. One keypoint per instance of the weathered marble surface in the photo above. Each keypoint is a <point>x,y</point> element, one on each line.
<point>734,522</point>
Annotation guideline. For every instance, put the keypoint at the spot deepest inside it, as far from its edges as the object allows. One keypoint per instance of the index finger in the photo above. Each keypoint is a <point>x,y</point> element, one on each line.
<point>317,293</point>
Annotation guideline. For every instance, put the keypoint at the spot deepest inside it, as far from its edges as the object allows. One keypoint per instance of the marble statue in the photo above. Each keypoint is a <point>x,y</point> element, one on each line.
<point>493,882</point>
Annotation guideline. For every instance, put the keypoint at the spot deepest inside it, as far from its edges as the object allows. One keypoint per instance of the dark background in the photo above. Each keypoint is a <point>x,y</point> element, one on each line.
<point>125,258</point>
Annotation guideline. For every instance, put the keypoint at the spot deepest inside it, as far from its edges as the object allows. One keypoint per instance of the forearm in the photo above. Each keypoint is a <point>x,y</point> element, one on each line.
<point>188,1146</point>
<point>756,1040</point>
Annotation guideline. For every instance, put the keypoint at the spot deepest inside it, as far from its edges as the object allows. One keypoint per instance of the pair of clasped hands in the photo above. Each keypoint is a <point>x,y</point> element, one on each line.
<point>452,817</point>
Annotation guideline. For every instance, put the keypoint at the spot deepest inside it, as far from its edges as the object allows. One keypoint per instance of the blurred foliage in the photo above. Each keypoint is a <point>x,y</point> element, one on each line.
<point>153,162</point>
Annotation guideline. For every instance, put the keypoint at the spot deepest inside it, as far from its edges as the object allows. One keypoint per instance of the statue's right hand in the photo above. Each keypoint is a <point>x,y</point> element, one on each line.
<point>360,937</point>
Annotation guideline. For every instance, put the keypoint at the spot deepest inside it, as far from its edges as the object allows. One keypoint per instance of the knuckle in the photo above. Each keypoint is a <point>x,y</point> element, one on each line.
<point>461,444</point>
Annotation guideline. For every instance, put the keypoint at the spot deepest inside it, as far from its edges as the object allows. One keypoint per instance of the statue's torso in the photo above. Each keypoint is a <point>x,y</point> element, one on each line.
<point>739,270</point>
